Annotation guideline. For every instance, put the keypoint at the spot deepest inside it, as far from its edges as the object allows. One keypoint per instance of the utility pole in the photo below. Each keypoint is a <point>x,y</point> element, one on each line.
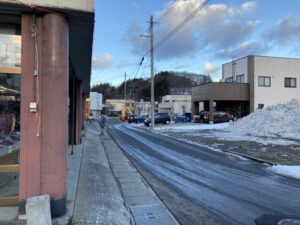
<point>152,72</point>
<point>152,75</point>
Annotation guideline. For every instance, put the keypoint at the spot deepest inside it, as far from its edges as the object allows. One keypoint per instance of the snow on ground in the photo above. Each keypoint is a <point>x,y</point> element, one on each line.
<point>279,120</point>
<point>192,127</point>
<point>271,125</point>
<point>289,171</point>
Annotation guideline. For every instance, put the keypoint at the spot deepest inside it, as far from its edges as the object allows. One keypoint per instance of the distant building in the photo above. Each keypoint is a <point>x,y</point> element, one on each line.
<point>95,105</point>
<point>114,106</point>
<point>175,104</point>
<point>250,83</point>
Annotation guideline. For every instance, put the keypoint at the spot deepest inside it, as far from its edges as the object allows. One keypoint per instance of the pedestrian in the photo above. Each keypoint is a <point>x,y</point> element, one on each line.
<point>103,124</point>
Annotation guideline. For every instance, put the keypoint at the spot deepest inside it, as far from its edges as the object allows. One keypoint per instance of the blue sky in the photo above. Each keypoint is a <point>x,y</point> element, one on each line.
<point>221,30</point>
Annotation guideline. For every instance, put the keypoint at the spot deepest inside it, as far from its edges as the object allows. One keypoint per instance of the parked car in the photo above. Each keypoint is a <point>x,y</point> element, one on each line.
<point>158,118</point>
<point>199,118</point>
<point>185,117</point>
<point>135,118</point>
<point>219,117</point>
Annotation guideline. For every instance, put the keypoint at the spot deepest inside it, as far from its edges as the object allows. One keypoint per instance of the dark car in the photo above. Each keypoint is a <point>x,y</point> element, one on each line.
<point>219,117</point>
<point>135,118</point>
<point>158,118</point>
<point>199,118</point>
<point>185,117</point>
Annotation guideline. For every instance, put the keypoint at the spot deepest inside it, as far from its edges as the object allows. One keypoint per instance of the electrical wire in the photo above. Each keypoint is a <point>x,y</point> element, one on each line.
<point>179,26</point>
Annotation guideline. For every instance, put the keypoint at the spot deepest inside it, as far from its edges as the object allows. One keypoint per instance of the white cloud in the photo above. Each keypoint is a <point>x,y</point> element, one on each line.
<point>247,6</point>
<point>216,27</point>
<point>252,47</point>
<point>285,32</point>
<point>212,70</point>
<point>103,61</point>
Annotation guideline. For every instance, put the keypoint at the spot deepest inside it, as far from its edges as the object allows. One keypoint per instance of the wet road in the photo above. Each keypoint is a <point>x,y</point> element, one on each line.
<point>238,191</point>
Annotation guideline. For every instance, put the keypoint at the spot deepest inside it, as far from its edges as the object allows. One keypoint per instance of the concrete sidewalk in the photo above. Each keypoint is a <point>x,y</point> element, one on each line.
<point>103,187</point>
<point>110,190</point>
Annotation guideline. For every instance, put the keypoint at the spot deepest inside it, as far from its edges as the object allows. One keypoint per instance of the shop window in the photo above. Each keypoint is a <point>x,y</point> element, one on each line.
<point>10,84</point>
<point>10,45</point>
<point>264,81</point>
<point>290,82</point>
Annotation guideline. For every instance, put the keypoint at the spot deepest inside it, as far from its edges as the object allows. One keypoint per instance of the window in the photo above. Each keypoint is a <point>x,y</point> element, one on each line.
<point>290,82</point>
<point>229,79</point>
<point>240,78</point>
<point>264,81</point>
<point>260,106</point>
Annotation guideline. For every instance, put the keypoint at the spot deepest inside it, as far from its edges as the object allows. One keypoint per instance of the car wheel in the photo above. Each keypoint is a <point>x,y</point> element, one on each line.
<point>167,122</point>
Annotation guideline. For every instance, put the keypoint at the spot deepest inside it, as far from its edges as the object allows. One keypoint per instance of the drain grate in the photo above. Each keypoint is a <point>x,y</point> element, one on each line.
<point>151,215</point>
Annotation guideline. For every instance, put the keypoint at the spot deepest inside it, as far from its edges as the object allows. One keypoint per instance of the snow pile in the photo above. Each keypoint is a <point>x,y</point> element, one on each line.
<point>289,171</point>
<point>279,120</point>
<point>192,127</point>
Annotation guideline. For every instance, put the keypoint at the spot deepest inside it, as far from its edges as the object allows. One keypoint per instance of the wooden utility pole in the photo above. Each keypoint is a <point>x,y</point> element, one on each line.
<point>152,74</point>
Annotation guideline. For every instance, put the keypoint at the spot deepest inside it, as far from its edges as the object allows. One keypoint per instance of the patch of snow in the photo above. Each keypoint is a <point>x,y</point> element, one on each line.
<point>193,127</point>
<point>242,136</point>
<point>289,171</point>
<point>273,121</point>
<point>136,124</point>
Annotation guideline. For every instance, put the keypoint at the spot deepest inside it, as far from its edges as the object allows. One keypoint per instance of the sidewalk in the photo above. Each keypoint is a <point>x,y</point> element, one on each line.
<point>110,190</point>
<point>103,187</point>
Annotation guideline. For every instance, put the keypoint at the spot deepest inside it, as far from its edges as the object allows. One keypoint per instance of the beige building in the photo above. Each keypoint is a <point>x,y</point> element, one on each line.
<point>175,104</point>
<point>250,83</point>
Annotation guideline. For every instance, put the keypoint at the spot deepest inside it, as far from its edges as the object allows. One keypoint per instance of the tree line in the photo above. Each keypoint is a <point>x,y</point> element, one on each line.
<point>166,83</point>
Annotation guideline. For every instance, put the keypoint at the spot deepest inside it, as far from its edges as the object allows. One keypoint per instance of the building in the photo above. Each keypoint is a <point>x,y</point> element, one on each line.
<point>175,104</point>
<point>250,83</point>
<point>114,106</point>
<point>95,105</point>
<point>45,67</point>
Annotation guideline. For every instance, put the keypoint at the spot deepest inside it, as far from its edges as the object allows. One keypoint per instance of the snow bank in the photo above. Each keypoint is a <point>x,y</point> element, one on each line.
<point>193,127</point>
<point>289,171</point>
<point>281,119</point>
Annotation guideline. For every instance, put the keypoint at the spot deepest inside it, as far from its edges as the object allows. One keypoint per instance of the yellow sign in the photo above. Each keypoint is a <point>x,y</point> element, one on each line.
<point>10,149</point>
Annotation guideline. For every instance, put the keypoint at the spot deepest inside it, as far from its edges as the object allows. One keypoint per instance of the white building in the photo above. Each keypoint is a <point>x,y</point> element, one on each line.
<point>272,80</point>
<point>96,104</point>
<point>248,84</point>
<point>175,104</point>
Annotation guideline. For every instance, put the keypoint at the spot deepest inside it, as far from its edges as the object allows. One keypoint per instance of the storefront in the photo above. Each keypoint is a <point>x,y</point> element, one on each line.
<point>45,67</point>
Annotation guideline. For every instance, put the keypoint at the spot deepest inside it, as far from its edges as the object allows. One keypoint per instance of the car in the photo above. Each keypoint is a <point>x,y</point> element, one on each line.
<point>158,118</point>
<point>185,117</point>
<point>135,118</point>
<point>219,117</point>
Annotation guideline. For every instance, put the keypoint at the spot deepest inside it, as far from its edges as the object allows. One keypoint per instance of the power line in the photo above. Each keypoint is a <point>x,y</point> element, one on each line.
<point>167,13</point>
<point>179,26</point>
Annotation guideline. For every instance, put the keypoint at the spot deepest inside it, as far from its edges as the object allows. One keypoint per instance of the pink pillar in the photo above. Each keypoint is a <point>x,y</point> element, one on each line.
<point>43,154</point>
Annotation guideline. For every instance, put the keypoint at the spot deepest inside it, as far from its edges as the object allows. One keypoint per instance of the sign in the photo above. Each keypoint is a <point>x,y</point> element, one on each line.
<point>123,112</point>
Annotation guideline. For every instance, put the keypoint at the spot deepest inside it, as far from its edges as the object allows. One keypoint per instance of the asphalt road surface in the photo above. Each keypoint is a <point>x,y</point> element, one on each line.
<point>232,190</point>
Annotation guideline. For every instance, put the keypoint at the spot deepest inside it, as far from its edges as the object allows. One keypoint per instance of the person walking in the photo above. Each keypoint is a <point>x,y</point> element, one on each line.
<point>103,124</point>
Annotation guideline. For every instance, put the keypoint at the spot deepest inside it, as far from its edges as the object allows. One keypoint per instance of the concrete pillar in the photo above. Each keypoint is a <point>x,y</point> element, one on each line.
<point>43,157</point>
<point>211,111</point>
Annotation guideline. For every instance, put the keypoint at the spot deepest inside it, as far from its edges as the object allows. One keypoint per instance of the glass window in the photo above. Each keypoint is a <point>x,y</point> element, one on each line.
<point>240,78</point>
<point>264,81</point>
<point>290,82</point>
<point>229,79</point>
<point>10,45</point>
<point>260,106</point>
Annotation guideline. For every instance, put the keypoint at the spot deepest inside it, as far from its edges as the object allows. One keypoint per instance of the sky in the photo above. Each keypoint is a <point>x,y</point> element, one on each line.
<point>221,30</point>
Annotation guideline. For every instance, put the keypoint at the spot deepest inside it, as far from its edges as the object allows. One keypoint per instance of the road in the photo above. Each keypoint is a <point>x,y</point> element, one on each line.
<point>237,191</point>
